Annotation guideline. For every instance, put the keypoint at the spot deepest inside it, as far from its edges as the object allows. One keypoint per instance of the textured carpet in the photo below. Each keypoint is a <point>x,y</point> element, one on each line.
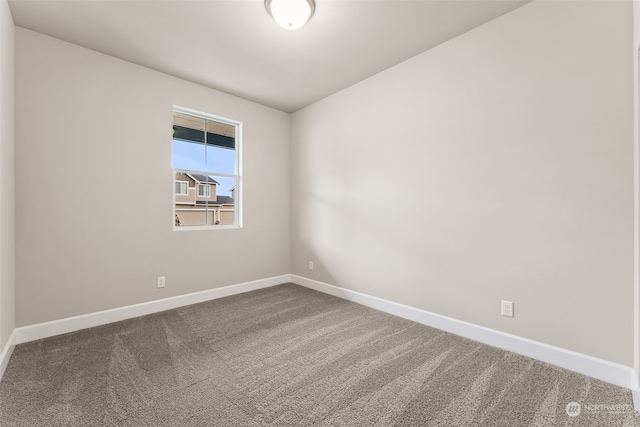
<point>290,356</point>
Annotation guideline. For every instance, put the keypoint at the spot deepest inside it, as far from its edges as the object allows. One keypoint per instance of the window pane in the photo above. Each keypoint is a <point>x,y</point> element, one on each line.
<point>182,188</point>
<point>210,158</point>
<point>205,190</point>
<point>188,128</point>
<point>203,150</point>
<point>187,155</point>
<point>190,137</point>
<point>220,160</point>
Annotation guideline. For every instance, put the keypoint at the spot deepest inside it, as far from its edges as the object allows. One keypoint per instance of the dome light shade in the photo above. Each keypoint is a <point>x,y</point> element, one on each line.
<point>290,14</point>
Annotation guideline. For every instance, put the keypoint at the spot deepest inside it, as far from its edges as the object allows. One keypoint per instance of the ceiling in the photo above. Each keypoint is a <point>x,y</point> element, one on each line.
<point>236,47</point>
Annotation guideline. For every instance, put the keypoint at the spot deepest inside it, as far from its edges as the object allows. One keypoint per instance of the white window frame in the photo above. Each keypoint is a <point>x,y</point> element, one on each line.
<point>237,194</point>
<point>186,183</point>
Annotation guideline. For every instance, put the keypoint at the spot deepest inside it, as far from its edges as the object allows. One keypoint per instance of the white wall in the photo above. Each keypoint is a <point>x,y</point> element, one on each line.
<point>94,183</point>
<point>498,165</point>
<point>7,193</point>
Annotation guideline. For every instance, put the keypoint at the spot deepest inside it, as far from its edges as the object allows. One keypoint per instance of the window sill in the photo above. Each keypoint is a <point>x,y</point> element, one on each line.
<point>205,227</point>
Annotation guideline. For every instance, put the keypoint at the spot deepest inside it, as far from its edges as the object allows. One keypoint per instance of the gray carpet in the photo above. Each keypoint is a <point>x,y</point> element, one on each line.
<point>290,356</point>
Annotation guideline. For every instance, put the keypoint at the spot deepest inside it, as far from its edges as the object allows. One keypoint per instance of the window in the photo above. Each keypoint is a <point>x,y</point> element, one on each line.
<point>204,191</point>
<point>206,171</point>
<point>182,188</point>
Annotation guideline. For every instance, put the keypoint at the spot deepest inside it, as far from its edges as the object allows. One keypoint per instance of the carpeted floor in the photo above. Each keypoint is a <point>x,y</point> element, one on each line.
<point>290,356</point>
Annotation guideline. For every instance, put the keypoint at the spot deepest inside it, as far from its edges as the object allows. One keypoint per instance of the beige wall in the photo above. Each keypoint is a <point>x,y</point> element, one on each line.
<point>7,192</point>
<point>636,121</point>
<point>511,151</point>
<point>104,259</point>
<point>636,94</point>
<point>191,198</point>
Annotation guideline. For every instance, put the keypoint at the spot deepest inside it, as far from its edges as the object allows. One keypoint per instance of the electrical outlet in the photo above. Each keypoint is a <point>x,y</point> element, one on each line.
<point>161,282</point>
<point>310,265</point>
<point>506,308</point>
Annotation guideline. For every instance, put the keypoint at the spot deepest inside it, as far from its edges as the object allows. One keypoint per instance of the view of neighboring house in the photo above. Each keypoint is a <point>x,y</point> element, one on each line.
<point>197,201</point>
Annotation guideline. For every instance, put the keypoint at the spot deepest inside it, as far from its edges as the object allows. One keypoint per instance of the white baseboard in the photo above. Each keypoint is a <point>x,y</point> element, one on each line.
<point>635,391</point>
<point>597,368</point>
<point>71,324</point>
<point>7,351</point>
<point>604,370</point>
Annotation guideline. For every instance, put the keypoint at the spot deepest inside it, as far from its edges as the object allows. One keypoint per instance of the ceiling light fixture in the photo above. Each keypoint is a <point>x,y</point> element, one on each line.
<point>290,14</point>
